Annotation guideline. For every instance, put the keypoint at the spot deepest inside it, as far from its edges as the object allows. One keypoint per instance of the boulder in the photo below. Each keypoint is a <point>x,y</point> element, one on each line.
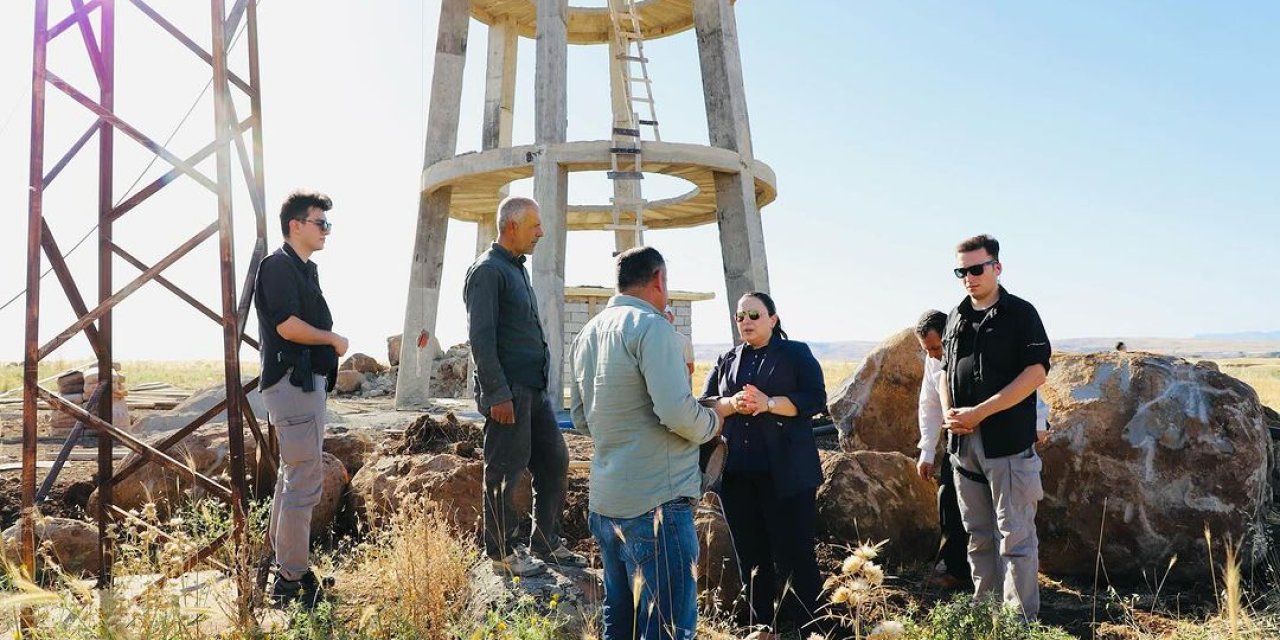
<point>452,482</point>
<point>450,377</point>
<point>349,381</point>
<point>73,544</point>
<point>362,363</point>
<point>876,495</point>
<point>351,448</point>
<point>1146,451</point>
<point>718,576</point>
<point>876,408</point>
<point>332,489</point>
<point>206,450</point>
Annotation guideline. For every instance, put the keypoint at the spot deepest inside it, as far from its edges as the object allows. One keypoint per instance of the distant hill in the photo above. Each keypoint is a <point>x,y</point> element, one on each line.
<point>1242,336</point>
<point>1197,347</point>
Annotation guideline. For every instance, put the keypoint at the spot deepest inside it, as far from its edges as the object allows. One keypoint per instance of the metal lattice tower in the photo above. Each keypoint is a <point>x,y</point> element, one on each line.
<point>95,323</point>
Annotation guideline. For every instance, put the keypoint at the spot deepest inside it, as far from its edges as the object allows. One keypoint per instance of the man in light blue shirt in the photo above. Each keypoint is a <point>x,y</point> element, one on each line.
<point>630,392</point>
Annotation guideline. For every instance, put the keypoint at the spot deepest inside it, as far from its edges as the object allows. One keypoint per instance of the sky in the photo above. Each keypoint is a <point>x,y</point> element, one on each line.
<point>1124,153</point>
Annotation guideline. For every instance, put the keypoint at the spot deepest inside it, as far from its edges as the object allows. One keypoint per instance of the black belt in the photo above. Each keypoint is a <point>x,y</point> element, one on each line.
<point>972,475</point>
<point>302,375</point>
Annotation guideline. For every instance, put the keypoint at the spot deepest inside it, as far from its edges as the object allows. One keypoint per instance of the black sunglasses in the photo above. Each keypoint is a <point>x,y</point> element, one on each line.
<point>975,270</point>
<point>324,225</point>
<point>749,313</point>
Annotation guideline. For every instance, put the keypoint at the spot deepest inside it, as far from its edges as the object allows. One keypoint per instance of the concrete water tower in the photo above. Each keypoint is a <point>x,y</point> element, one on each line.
<point>728,186</point>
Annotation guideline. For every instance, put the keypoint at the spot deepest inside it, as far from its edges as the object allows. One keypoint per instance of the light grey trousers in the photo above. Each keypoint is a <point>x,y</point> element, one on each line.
<point>298,417</point>
<point>1000,516</point>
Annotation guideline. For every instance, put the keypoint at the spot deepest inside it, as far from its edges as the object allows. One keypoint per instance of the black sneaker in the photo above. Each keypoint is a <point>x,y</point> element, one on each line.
<point>307,590</point>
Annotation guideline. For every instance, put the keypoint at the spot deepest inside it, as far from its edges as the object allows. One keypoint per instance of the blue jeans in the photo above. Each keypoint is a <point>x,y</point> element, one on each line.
<point>662,550</point>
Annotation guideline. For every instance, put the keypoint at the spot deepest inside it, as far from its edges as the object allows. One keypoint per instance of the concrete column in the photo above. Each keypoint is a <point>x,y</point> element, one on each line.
<point>499,103</point>
<point>622,117</point>
<point>425,270</point>
<point>551,181</point>
<point>741,234</point>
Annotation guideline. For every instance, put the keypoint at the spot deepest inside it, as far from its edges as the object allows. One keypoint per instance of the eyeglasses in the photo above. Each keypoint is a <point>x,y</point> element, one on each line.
<point>324,225</point>
<point>749,313</point>
<point>975,270</point>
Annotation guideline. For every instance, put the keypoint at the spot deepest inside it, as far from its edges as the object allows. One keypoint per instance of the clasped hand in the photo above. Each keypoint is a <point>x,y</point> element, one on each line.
<point>962,421</point>
<point>750,401</point>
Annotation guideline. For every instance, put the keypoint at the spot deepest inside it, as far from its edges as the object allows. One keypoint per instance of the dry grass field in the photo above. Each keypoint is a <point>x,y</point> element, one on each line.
<point>184,374</point>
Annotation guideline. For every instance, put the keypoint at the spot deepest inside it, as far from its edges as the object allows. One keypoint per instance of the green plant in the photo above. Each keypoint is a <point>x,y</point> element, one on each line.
<point>524,619</point>
<point>963,618</point>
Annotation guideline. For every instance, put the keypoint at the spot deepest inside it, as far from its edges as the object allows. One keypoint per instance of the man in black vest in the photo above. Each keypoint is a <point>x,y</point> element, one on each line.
<point>299,367</point>
<point>996,355</point>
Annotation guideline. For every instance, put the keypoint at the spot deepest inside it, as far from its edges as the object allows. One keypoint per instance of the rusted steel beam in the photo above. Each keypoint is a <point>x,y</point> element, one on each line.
<point>231,327</point>
<point>75,148</point>
<point>128,289</point>
<point>201,556</point>
<point>127,129</point>
<point>233,23</point>
<point>106,429</point>
<point>146,192</point>
<point>188,42</point>
<point>31,337</point>
<point>251,172</point>
<point>106,285</point>
<point>69,287</point>
<point>186,297</point>
<point>90,41</point>
<point>74,18</point>
<point>67,446</point>
<point>123,515</point>
<point>178,435</point>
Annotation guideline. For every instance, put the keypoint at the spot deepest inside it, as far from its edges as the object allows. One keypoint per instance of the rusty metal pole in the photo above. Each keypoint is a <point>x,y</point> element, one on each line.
<point>31,346</point>
<point>106,356</point>
<point>230,316</point>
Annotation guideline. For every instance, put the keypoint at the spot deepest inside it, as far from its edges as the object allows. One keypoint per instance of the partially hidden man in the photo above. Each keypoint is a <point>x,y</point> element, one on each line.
<point>300,355</point>
<point>996,354</point>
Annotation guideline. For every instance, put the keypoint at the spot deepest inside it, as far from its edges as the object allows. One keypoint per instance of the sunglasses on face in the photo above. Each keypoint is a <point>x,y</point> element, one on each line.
<point>975,270</point>
<point>750,313</point>
<point>324,225</point>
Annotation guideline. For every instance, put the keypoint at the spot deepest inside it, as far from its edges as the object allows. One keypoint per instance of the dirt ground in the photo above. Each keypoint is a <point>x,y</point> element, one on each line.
<point>1069,603</point>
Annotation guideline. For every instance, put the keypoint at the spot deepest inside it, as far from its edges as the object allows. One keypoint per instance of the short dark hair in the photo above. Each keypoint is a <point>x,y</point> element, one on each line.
<point>298,205</point>
<point>983,241</point>
<point>931,320</point>
<point>637,266</point>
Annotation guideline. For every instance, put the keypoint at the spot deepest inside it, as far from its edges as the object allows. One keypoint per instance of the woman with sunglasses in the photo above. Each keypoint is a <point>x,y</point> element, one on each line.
<point>772,473</point>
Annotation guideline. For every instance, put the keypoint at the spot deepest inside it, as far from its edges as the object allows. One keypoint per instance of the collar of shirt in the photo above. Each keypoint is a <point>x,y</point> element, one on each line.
<point>967,303</point>
<point>308,265</point>
<point>624,300</point>
<point>502,251</point>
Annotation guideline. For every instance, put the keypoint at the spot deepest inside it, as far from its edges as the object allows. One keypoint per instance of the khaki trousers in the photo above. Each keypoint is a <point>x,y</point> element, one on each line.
<point>298,417</point>
<point>1000,516</point>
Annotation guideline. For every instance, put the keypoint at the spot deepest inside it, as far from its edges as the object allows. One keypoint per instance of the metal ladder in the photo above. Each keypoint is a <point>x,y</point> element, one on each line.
<point>625,148</point>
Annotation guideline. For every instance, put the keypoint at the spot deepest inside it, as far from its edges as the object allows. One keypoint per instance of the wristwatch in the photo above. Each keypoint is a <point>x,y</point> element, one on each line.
<point>771,404</point>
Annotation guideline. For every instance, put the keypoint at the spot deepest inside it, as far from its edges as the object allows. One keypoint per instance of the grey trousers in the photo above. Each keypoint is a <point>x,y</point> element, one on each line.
<point>535,443</point>
<point>298,417</point>
<point>1000,516</point>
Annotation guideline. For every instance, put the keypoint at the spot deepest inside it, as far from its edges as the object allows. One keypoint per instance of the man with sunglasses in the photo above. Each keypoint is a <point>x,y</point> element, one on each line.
<point>300,355</point>
<point>995,355</point>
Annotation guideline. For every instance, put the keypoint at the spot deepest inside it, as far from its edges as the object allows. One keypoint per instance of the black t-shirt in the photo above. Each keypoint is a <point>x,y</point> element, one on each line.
<point>967,359</point>
<point>287,286</point>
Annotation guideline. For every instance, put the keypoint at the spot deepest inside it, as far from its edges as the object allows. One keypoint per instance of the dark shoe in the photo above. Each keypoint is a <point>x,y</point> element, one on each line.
<point>562,556</point>
<point>307,590</point>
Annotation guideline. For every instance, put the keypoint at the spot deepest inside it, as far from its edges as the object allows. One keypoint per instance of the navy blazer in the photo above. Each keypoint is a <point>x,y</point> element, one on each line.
<point>789,369</point>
